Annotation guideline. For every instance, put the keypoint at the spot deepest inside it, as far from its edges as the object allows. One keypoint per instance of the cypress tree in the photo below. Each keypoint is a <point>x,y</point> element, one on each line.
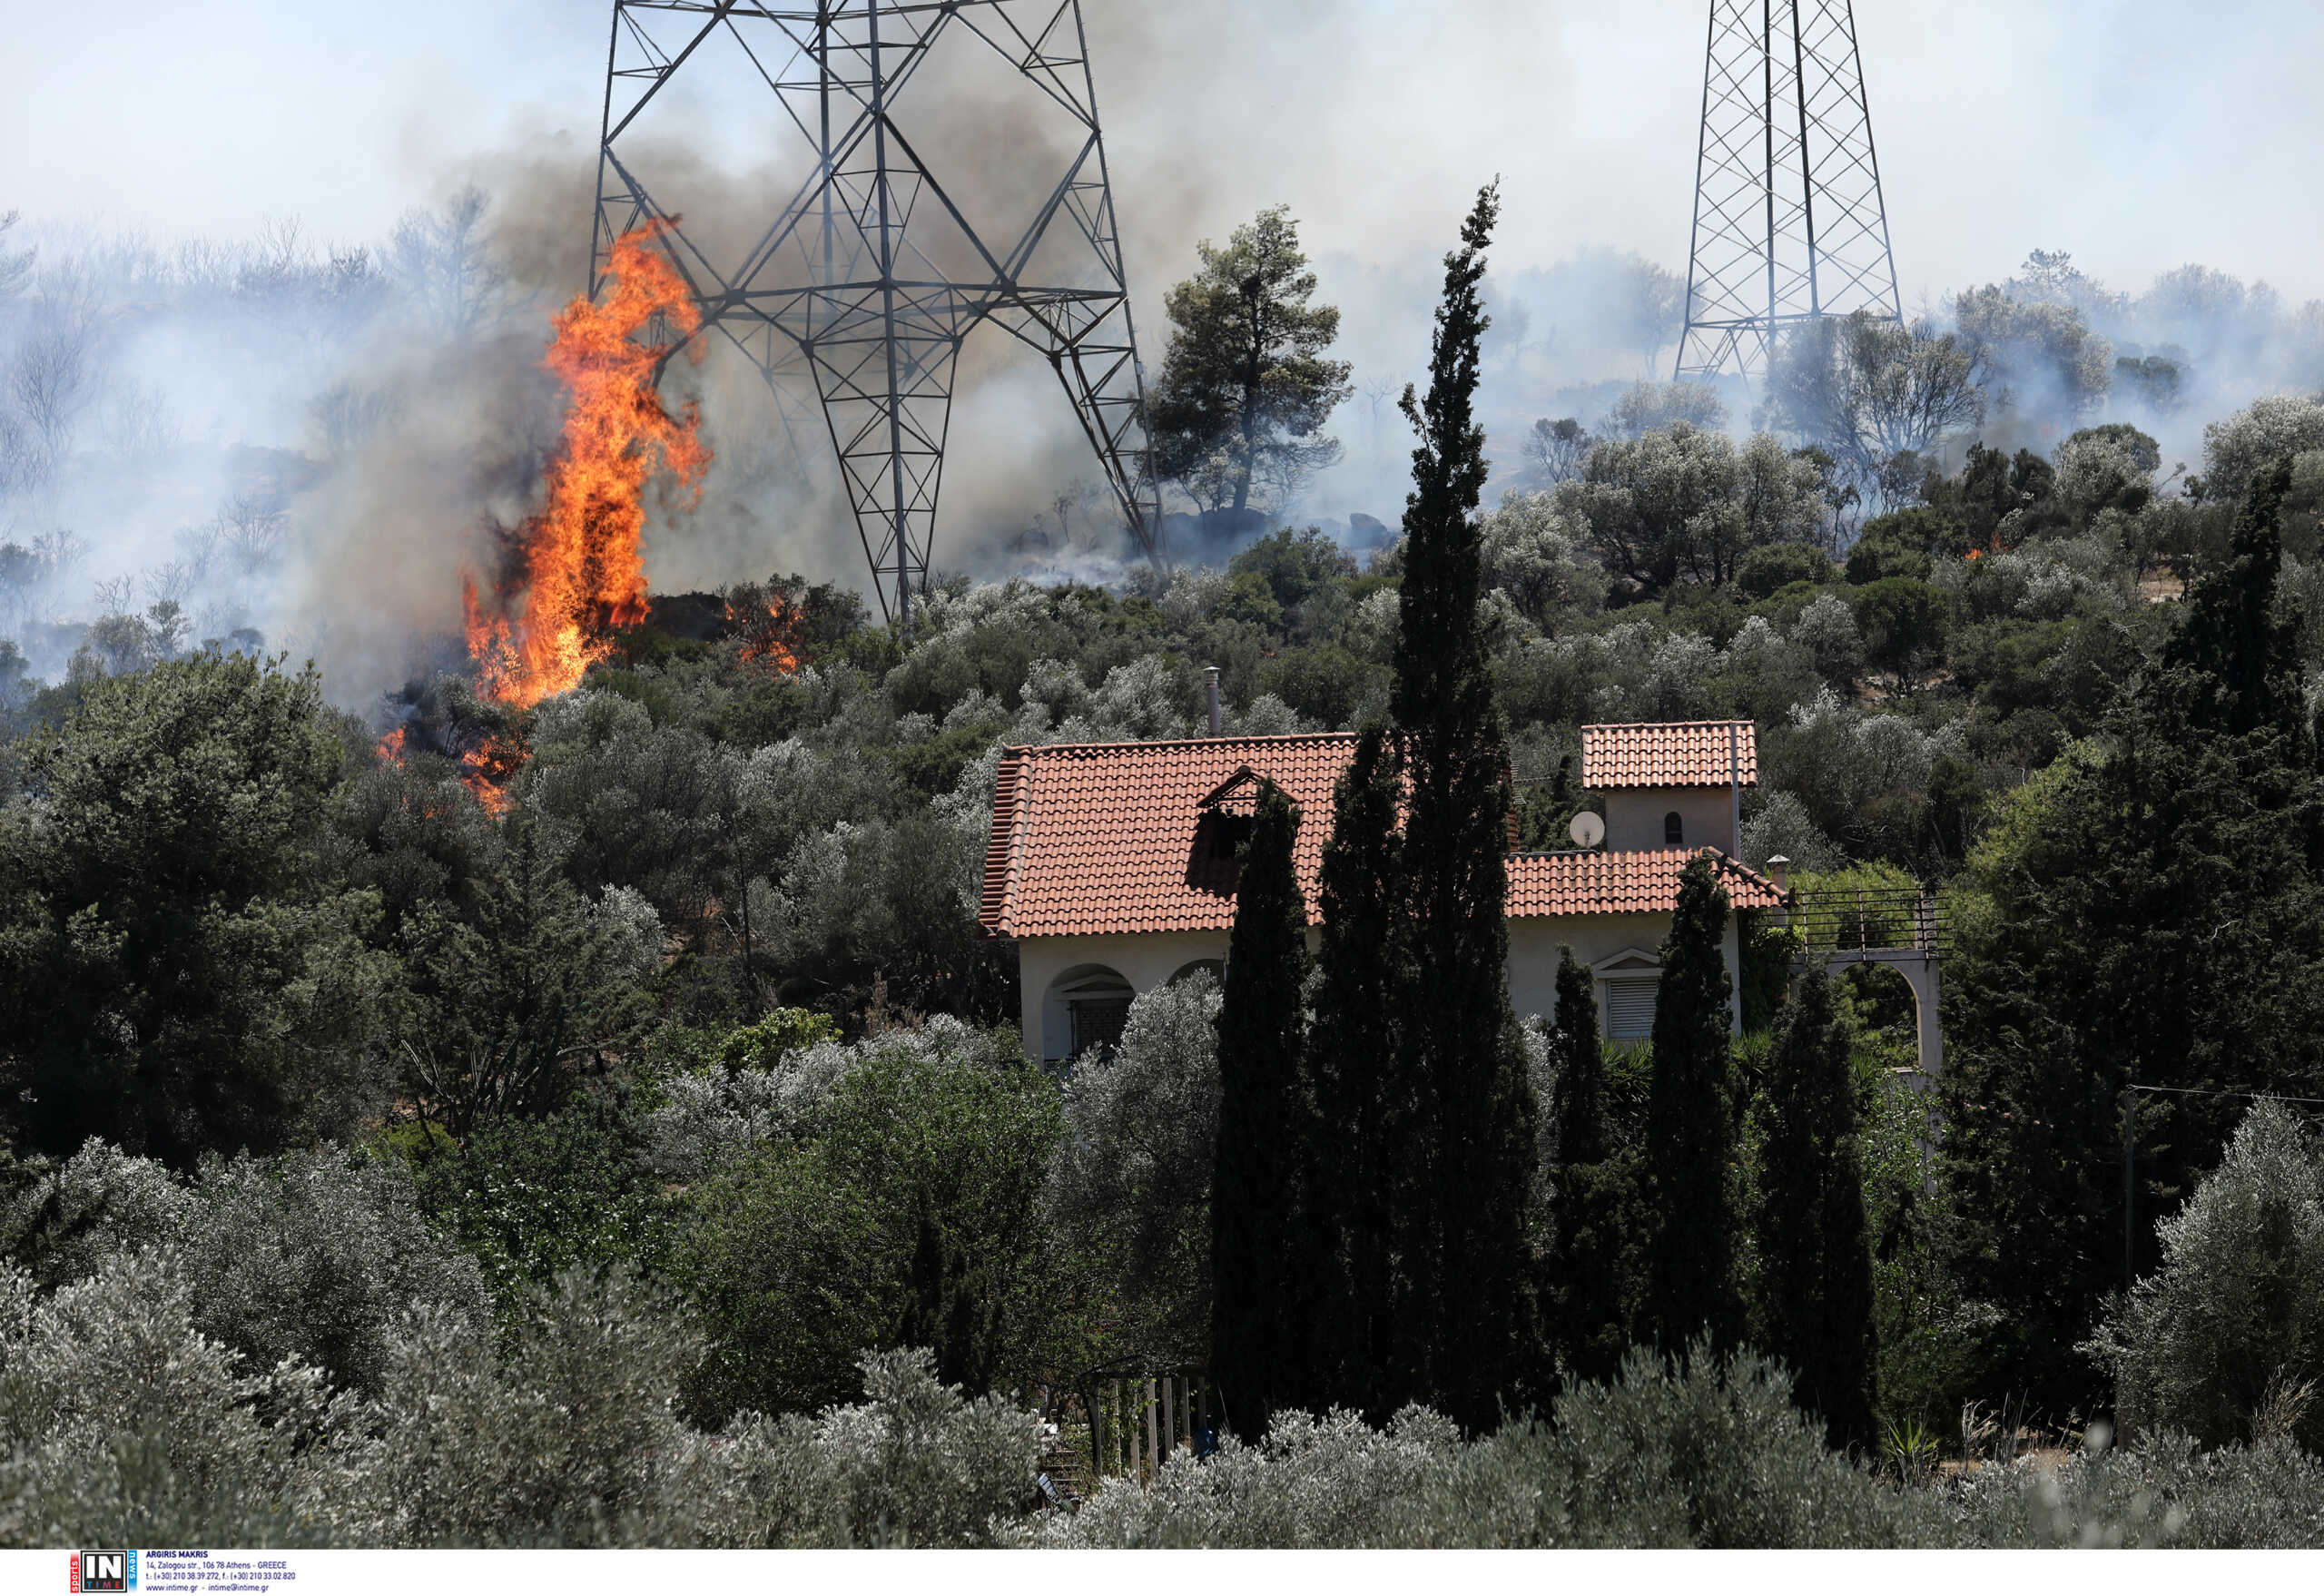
<point>2155,919</point>
<point>2230,636</point>
<point>1357,1157</point>
<point>1581,1088</point>
<point>1814,1246</point>
<point>1258,1344</point>
<point>944,1311</point>
<point>1593,1261</point>
<point>1690,1128</point>
<point>1464,1285</point>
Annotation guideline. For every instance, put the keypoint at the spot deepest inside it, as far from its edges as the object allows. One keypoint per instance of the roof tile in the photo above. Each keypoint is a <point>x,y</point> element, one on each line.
<point>1670,754</point>
<point>1639,881</point>
<point>1097,839</point>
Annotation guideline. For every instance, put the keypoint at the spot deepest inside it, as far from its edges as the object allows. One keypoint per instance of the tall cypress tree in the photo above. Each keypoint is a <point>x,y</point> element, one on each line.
<point>1358,1155</point>
<point>1466,1277</point>
<point>2231,638</point>
<point>1258,1342</point>
<point>1690,1128</point>
<point>1581,1088</point>
<point>944,1310</point>
<point>1814,1248</point>
<point>1594,1258</point>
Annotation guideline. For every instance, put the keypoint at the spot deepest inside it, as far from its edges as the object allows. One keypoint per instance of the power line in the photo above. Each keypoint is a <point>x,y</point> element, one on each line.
<point>2197,1091</point>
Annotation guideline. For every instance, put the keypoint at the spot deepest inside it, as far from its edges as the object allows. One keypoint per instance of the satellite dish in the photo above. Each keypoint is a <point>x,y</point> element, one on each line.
<point>1588,830</point>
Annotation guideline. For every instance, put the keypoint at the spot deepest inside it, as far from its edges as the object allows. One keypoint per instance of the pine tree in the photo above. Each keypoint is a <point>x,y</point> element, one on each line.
<point>1814,1252</point>
<point>2230,634</point>
<point>1594,1259</point>
<point>1364,1107</point>
<point>1259,1341</point>
<point>1690,1129</point>
<point>1245,389</point>
<point>1465,1284</point>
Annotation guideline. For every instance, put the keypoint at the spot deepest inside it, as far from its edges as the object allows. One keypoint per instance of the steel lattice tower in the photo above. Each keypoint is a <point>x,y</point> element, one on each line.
<point>1789,222</point>
<point>865,281</point>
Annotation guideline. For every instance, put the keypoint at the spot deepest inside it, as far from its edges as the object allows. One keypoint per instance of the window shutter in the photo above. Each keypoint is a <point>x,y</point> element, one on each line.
<point>1629,1007</point>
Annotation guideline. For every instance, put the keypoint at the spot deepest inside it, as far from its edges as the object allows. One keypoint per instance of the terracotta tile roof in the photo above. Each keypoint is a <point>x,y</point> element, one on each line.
<point>1099,839</point>
<point>1671,753</point>
<point>1628,883</point>
<point>1096,838</point>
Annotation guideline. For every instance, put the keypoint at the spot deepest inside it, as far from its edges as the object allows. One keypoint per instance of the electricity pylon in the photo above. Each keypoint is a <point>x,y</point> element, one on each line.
<point>1789,221</point>
<point>866,281</point>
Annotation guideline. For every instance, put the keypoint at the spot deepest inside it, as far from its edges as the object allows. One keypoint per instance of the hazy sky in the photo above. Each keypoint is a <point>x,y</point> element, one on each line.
<point>2135,135</point>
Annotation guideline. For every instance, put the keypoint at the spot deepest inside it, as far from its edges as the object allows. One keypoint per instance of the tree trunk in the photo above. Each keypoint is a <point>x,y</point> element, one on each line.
<point>1254,365</point>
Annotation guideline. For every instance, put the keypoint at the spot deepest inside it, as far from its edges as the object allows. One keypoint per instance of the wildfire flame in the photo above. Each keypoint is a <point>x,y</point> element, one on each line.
<point>580,571</point>
<point>486,770</point>
<point>768,640</point>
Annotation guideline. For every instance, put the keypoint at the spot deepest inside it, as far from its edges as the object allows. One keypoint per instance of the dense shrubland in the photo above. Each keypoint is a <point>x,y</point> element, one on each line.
<point>389,1166</point>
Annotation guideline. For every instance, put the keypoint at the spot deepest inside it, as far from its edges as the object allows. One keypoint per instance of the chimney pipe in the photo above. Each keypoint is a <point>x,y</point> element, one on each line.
<point>1734,793</point>
<point>1218,722</point>
<point>1779,872</point>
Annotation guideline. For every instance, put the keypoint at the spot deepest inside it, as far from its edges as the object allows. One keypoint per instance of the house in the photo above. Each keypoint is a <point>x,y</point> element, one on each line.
<point>1112,866</point>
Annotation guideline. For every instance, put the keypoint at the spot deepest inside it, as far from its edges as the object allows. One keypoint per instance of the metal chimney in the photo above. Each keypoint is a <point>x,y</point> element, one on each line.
<point>1734,792</point>
<point>1217,721</point>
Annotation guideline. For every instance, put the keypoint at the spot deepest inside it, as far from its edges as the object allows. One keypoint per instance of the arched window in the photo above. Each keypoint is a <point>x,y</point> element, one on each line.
<point>1674,830</point>
<point>1085,1007</point>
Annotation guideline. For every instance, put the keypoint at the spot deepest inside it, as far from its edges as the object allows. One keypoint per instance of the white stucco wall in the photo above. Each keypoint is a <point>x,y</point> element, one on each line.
<point>1147,961</point>
<point>1144,961</point>
<point>1533,954</point>
<point>1634,820</point>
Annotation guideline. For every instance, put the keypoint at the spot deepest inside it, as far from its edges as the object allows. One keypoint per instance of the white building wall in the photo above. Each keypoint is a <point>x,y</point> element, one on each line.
<point>1533,945</point>
<point>1148,960</point>
<point>1635,820</point>
<point>1533,951</point>
<point>1144,961</point>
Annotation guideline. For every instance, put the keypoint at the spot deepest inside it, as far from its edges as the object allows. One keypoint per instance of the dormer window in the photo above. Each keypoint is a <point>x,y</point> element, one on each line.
<point>1223,822</point>
<point>1674,830</point>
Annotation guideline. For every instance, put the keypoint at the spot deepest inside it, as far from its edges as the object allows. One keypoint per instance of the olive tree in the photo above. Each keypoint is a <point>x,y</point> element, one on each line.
<point>1129,1186</point>
<point>2226,1340</point>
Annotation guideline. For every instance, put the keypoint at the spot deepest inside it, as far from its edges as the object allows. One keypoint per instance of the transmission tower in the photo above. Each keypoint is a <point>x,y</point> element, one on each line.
<point>1789,222</point>
<point>864,283</point>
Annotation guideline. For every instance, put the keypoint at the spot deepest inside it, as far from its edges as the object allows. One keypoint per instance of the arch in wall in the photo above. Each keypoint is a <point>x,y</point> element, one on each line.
<point>1085,1006</point>
<point>1919,973</point>
<point>1213,968</point>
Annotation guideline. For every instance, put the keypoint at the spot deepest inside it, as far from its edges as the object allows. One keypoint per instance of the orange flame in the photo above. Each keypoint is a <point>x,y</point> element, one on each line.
<point>581,567</point>
<point>487,771</point>
<point>484,770</point>
<point>768,640</point>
